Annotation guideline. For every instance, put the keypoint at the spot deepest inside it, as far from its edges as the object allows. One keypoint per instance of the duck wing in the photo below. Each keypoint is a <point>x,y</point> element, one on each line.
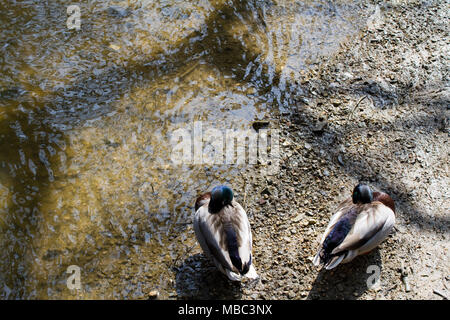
<point>226,237</point>
<point>337,230</point>
<point>239,238</point>
<point>373,223</point>
<point>208,230</point>
<point>342,209</point>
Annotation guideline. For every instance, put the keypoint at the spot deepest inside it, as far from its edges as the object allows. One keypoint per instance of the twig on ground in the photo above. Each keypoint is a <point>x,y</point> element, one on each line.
<point>357,104</point>
<point>439,293</point>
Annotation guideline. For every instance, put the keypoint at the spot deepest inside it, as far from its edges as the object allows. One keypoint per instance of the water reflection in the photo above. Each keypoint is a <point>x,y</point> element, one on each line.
<point>85,175</point>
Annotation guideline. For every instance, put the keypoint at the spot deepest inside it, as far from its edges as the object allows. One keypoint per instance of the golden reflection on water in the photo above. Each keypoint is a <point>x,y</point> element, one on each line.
<point>86,118</point>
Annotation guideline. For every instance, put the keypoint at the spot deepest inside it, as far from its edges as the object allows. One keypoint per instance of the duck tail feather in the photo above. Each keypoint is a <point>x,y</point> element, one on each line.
<point>251,274</point>
<point>334,262</point>
<point>233,276</point>
<point>316,260</point>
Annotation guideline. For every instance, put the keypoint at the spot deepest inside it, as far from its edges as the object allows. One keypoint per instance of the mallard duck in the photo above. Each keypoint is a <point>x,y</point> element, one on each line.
<point>223,231</point>
<point>360,224</point>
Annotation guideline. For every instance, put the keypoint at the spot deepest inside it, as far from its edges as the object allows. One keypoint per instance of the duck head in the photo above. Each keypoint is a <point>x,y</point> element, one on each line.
<point>362,194</point>
<point>221,196</point>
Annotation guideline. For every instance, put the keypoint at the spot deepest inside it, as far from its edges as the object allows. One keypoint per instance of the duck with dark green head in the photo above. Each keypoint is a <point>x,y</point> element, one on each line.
<point>359,225</point>
<point>223,231</point>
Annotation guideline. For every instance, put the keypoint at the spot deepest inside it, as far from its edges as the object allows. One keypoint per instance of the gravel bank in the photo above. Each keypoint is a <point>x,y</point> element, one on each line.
<point>375,112</point>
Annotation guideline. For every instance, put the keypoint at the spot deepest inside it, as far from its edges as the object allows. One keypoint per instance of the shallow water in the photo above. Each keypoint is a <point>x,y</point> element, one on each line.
<point>86,118</point>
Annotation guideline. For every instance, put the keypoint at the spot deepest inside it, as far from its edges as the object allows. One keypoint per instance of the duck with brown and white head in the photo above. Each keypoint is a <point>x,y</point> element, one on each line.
<point>360,224</point>
<point>223,231</point>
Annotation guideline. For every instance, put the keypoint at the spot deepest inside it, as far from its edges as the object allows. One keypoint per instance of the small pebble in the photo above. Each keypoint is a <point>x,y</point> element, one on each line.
<point>154,294</point>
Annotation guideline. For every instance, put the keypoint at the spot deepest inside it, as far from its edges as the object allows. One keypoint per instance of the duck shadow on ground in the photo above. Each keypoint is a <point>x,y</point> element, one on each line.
<point>347,281</point>
<point>198,278</point>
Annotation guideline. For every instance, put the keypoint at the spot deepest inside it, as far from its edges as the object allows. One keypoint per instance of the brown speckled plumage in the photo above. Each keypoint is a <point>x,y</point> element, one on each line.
<point>385,199</point>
